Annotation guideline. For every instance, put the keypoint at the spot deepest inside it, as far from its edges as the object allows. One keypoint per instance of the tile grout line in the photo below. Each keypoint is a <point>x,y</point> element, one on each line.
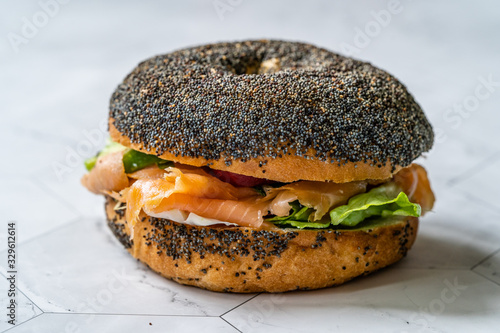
<point>231,325</point>
<point>24,294</point>
<point>54,195</point>
<point>486,258</point>
<point>473,170</point>
<point>29,299</point>
<point>127,314</point>
<point>24,322</point>
<point>237,306</point>
<point>479,201</point>
<point>47,232</point>
<point>119,314</point>
<point>486,277</point>
<point>19,289</point>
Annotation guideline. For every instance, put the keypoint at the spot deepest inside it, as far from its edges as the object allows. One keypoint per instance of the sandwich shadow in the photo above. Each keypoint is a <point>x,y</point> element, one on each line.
<point>416,283</point>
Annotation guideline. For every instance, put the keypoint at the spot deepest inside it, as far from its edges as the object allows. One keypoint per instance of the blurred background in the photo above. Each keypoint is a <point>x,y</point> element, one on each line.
<point>62,59</point>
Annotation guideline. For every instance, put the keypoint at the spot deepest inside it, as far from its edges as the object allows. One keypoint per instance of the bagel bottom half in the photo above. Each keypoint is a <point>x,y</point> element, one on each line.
<point>246,260</point>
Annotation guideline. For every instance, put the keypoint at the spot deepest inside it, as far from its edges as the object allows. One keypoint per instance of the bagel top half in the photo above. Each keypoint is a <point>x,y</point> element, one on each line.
<point>279,110</point>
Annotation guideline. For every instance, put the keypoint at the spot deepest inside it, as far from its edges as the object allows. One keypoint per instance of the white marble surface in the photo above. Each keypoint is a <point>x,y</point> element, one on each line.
<point>58,322</point>
<point>75,277</point>
<point>27,309</point>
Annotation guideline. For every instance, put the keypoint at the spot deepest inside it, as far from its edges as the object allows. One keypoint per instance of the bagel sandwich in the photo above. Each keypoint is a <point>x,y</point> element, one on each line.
<point>263,166</point>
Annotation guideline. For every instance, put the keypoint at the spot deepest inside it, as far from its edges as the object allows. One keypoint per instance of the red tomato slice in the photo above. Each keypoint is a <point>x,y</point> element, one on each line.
<point>239,180</point>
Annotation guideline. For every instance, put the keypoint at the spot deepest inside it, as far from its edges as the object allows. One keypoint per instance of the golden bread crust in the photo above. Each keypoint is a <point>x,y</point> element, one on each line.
<point>288,168</point>
<point>246,260</point>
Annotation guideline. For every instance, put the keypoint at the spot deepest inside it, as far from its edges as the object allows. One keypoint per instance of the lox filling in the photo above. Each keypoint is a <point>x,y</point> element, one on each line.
<point>201,196</point>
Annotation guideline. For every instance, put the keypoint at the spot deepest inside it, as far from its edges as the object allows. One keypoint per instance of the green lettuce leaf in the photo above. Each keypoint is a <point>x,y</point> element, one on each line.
<point>109,148</point>
<point>133,160</point>
<point>374,206</point>
<point>385,200</point>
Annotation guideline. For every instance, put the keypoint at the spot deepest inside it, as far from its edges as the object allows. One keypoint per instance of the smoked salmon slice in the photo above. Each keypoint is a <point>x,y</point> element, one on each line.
<point>201,194</point>
<point>108,174</point>
<point>248,213</point>
<point>414,182</point>
<point>322,196</point>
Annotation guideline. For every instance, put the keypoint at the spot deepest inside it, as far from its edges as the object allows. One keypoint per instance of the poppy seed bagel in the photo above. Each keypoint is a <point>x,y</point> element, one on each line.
<point>246,260</point>
<point>279,110</point>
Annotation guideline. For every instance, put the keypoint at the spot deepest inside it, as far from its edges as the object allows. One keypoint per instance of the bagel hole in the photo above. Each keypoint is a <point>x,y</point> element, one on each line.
<point>269,66</point>
<point>256,67</point>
